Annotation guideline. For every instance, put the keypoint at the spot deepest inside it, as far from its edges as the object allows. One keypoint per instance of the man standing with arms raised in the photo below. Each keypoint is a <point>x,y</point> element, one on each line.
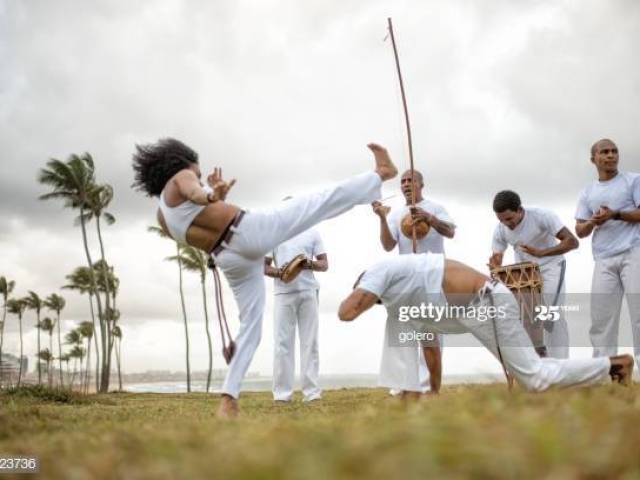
<point>537,235</point>
<point>608,208</point>
<point>403,369</point>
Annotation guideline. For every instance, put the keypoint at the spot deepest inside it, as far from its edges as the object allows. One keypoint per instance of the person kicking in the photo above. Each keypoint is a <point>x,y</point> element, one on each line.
<point>446,296</point>
<point>238,240</point>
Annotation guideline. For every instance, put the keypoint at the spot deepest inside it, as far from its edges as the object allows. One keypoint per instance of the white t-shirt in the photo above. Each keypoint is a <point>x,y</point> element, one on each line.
<point>537,229</point>
<point>308,243</point>
<point>622,192</point>
<point>431,242</point>
<point>412,280</point>
<point>405,280</point>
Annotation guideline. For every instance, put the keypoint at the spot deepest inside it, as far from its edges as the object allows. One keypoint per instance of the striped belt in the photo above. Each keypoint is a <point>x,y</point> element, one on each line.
<point>224,239</point>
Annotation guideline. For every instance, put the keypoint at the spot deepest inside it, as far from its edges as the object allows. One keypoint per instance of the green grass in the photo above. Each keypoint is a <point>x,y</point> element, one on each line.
<point>468,431</point>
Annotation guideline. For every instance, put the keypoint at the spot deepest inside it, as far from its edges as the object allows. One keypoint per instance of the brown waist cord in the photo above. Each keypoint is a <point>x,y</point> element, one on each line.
<point>227,349</point>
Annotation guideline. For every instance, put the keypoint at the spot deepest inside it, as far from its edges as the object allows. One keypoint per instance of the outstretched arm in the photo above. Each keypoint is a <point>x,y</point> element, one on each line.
<point>359,301</point>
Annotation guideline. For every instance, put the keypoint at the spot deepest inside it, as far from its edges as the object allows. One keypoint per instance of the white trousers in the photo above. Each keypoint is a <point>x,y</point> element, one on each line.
<point>521,360</point>
<point>403,367</point>
<point>614,278</point>
<point>290,310</point>
<point>259,232</point>
<point>556,334</point>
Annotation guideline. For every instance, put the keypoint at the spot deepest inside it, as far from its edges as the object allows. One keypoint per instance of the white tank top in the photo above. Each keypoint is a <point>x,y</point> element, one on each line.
<point>179,218</point>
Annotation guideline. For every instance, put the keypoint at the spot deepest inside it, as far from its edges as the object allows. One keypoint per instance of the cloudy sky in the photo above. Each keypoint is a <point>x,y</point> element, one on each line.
<point>284,96</point>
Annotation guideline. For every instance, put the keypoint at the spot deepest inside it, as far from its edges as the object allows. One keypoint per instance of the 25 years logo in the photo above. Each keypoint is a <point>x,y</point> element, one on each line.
<point>544,313</point>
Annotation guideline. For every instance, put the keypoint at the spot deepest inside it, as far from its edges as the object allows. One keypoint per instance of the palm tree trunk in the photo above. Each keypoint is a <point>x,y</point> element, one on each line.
<point>87,377</point>
<point>184,316</point>
<point>118,351</point>
<point>50,362</point>
<point>95,339</point>
<point>59,351</point>
<point>73,374</point>
<point>4,318</point>
<point>95,289</point>
<point>20,371</point>
<point>206,324</point>
<point>38,357</point>
<point>106,353</point>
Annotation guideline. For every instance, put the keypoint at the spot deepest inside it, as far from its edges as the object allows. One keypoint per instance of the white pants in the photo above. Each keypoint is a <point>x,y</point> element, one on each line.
<point>290,310</point>
<point>403,368</point>
<point>556,334</point>
<point>613,278</point>
<point>520,359</point>
<point>259,232</point>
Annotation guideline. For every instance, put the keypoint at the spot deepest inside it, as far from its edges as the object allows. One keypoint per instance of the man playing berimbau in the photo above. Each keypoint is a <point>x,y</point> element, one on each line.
<point>403,368</point>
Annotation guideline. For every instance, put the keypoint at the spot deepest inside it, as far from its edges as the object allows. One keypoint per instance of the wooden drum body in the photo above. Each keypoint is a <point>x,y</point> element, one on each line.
<point>525,282</point>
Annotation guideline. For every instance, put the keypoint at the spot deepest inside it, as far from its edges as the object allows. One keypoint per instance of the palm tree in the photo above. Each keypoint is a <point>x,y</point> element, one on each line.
<point>99,198</point>
<point>6,287</point>
<point>162,234</point>
<point>57,303</point>
<point>72,182</point>
<point>117,334</point>
<point>80,280</point>
<point>86,331</point>
<point>48,325</point>
<point>34,302</point>
<point>108,284</point>
<point>194,260</point>
<point>77,353</point>
<point>46,356</point>
<point>65,357</point>
<point>17,307</point>
<point>74,338</point>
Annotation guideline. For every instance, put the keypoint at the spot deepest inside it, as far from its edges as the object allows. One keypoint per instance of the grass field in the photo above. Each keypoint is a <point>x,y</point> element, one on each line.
<point>468,431</point>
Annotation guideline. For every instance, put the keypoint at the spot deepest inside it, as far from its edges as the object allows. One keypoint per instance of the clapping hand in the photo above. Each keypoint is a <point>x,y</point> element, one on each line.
<point>219,186</point>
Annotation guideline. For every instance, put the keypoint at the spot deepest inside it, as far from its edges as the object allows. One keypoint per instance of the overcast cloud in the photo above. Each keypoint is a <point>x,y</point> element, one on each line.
<point>284,96</point>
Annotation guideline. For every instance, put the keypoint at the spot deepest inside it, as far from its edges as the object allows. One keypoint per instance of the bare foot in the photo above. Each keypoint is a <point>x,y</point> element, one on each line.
<point>621,369</point>
<point>409,396</point>
<point>228,408</point>
<point>384,166</point>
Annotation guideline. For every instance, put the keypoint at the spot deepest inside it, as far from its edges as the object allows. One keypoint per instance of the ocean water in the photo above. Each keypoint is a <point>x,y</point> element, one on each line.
<point>264,384</point>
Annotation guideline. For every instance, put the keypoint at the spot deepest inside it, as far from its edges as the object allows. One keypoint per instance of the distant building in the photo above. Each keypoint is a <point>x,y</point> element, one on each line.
<point>10,366</point>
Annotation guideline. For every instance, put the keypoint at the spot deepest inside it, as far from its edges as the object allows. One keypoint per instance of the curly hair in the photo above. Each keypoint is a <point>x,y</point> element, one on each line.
<point>506,200</point>
<point>154,164</point>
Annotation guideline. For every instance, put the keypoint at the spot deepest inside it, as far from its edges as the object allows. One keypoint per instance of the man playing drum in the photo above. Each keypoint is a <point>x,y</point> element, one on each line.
<point>401,368</point>
<point>537,235</point>
<point>470,302</point>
